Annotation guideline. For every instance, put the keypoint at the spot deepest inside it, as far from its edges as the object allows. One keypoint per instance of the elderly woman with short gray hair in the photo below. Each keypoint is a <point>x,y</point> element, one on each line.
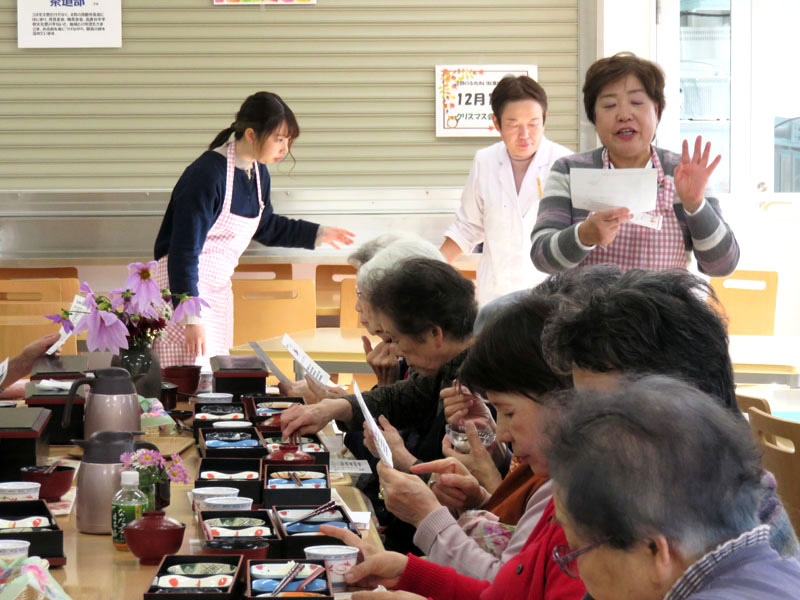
<point>657,488</point>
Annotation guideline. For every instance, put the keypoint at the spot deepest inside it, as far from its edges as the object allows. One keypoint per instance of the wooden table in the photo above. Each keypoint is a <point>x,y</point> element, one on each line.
<point>95,570</point>
<point>766,359</point>
<point>335,349</point>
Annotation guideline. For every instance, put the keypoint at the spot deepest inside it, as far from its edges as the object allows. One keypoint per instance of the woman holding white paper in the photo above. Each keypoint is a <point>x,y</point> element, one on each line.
<point>624,97</point>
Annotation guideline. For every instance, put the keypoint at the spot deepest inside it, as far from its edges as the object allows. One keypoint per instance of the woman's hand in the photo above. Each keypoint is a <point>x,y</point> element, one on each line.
<point>692,174</point>
<point>309,391</point>
<point>378,568</point>
<point>20,365</point>
<point>406,496</point>
<point>461,406</point>
<point>334,236</point>
<point>453,485</point>
<point>383,360</point>
<point>301,418</point>
<point>195,339</point>
<point>478,461</point>
<point>401,457</point>
<point>600,228</point>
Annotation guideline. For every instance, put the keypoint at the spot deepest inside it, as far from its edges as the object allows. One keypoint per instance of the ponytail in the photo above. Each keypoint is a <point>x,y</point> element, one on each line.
<point>223,136</point>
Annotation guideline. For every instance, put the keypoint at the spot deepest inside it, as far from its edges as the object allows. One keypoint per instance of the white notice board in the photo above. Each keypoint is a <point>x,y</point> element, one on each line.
<point>463,103</point>
<point>69,23</point>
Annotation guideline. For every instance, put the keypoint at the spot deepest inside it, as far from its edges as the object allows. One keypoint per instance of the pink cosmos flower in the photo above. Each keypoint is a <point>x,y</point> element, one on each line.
<point>105,330</point>
<point>88,291</point>
<point>120,298</point>
<point>127,460</point>
<point>145,290</point>
<point>63,320</point>
<point>190,306</point>
<point>147,457</point>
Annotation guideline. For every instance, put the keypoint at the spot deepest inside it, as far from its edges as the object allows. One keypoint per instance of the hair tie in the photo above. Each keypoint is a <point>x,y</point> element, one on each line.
<point>233,126</point>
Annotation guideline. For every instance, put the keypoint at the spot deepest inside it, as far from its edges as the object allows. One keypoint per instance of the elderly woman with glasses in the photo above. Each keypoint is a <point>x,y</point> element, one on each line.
<point>657,489</point>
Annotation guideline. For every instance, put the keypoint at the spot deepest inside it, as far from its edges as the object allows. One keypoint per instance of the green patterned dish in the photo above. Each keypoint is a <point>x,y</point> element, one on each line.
<point>202,569</point>
<point>235,522</point>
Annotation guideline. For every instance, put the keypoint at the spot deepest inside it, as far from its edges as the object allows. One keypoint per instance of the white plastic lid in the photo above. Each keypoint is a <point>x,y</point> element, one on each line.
<point>130,478</point>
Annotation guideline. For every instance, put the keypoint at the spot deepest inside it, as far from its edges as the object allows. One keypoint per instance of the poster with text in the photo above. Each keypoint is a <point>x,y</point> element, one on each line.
<point>69,23</point>
<point>463,97</point>
<point>275,2</point>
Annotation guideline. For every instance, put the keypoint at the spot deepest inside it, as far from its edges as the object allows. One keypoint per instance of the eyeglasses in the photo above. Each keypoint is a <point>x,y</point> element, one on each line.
<point>567,560</point>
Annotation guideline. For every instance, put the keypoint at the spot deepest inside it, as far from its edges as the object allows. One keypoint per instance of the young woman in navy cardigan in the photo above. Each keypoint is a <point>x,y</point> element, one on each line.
<point>219,204</point>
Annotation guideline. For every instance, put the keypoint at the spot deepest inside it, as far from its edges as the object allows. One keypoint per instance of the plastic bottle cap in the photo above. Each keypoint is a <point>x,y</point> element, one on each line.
<point>130,478</point>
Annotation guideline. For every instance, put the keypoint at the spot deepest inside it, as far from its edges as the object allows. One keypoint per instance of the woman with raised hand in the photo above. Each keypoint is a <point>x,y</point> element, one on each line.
<point>624,98</point>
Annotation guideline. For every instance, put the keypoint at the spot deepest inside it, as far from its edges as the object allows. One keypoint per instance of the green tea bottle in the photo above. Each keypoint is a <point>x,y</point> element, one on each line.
<point>126,506</point>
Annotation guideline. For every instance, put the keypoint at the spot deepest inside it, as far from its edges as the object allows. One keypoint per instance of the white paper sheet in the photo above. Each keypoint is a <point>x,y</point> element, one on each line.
<point>3,371</point>
<point>384,451</point>
<point>77,311</point>
<point>313,370</point>
<point>349,465</point>
<point>271,366</point>
<point>603,189</point>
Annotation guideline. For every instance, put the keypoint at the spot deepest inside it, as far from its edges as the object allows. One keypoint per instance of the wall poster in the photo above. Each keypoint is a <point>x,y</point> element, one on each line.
<point>69,23</point>
<point>243,2</point>
<point>463,107</point>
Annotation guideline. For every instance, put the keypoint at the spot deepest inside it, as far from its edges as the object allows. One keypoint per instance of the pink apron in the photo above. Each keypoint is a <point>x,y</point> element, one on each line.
<point>227,239</point>
<point>637,247</point>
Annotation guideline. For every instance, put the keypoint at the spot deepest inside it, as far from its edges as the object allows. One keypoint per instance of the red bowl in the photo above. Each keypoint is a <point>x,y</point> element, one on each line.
<point>153,536</point>
<point>54,485</point>
<point>186,377</point>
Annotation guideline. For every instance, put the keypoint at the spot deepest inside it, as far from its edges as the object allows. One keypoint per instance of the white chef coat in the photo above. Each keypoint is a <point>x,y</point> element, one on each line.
<point>493,213</point>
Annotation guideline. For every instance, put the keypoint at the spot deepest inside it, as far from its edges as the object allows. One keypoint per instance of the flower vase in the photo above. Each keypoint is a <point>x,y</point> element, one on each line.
<point>142,363</point>
<point>162,495</point>
<point>150,493</point>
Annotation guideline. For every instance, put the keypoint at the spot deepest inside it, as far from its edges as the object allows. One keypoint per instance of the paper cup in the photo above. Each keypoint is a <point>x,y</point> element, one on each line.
<point>201,493</point>
<point>226,503</point>
<point>13,549</point>
<point>338,561</point>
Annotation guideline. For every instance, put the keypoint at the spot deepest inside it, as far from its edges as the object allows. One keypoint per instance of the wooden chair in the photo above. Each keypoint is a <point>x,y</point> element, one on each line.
<point>16,332</point>
<point>746,402</point>
<point>348,316</point>
<point>39,273</point>
<point>268,308</point>
<point>31,309</point>
<point>39,290</point>
<point>781,459</point>
<point>749,299</point>
<point>329,287</point>
<point>265,271</point>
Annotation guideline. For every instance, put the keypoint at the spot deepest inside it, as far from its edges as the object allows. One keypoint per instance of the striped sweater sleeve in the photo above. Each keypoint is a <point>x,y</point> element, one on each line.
<point>555,241</point>
<point>706,233</point>
<point>713,243</point>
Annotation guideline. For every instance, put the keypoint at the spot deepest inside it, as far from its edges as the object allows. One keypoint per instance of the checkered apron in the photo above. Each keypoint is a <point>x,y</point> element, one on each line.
<point>227,239</point>
<point>637,247</point>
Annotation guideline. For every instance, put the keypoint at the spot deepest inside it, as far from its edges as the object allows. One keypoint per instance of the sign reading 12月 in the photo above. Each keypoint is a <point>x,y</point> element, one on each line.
<point>463,97</point>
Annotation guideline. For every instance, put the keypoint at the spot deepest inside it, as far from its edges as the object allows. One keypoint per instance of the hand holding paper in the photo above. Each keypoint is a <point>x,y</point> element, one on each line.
<point>384,452</point>
<point>604,190</point>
